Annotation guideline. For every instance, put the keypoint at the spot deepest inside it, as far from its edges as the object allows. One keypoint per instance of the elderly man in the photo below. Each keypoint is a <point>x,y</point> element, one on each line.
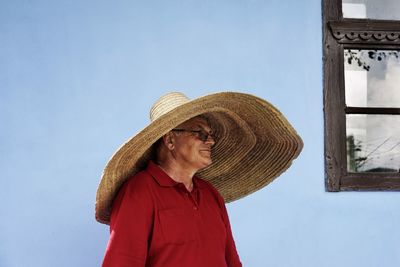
<point>164,214</point>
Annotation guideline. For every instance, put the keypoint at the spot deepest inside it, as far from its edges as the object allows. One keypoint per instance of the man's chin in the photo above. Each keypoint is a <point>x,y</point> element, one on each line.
<point>206,163</point>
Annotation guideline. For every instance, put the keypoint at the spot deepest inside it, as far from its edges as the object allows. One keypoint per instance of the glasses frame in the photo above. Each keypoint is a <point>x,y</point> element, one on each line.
<point>201,134</point>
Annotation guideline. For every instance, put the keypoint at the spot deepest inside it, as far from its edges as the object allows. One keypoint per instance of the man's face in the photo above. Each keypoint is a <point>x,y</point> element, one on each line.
<point>190,150</point>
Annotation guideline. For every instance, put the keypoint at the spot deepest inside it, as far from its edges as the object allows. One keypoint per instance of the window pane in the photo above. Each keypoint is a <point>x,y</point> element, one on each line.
<point>372,9</point>
<point>373,143</point>
<point>372,78</point>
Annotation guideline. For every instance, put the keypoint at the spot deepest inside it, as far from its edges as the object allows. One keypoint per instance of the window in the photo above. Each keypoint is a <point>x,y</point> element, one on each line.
<point>362,94</point>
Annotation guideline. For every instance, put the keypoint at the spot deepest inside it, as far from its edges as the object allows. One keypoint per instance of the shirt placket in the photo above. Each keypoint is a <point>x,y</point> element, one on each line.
<point>191,197</point>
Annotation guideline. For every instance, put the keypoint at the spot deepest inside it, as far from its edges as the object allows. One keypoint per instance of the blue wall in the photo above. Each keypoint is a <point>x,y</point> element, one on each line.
<point>77,79</point>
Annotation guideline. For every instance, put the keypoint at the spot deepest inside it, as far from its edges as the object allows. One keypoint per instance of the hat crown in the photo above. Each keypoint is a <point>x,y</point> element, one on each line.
<point>167,103</point>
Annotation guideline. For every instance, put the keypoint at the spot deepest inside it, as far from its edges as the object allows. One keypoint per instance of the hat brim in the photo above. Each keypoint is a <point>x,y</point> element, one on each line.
<point>255,144</point>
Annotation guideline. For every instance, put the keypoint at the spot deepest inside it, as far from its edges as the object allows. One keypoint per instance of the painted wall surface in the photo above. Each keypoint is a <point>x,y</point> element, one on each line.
<point>77,79</point>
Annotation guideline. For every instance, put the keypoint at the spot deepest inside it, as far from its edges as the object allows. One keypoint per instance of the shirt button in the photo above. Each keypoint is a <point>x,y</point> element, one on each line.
<point>194,207</point>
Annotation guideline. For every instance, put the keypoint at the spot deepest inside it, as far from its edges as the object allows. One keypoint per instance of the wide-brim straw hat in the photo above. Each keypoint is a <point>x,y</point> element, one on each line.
<point>254,145</point>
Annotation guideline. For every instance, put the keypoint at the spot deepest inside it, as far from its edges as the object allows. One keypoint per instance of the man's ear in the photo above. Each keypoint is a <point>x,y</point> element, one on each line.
<point>168,140</point>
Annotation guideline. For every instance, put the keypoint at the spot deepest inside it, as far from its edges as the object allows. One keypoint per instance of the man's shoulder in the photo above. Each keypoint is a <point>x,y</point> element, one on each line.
<point>139,181</point>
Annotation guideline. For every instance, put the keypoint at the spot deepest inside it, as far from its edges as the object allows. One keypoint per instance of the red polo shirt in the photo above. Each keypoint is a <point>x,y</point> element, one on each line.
<point>157,222</point>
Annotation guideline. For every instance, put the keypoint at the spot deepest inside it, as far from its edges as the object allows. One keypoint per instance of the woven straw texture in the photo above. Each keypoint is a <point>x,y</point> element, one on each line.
<point>254,145</point>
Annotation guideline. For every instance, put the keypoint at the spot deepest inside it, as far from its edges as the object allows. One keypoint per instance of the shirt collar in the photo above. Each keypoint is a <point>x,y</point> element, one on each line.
<point>163,179</point>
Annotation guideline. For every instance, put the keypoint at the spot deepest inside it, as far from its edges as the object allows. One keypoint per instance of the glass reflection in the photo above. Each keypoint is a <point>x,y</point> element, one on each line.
<point>373,143</point>
<point>372,78</point>
<point>371,9</point>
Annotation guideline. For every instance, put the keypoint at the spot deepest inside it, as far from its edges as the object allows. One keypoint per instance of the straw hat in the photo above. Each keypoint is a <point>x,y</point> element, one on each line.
<point>254,145</point>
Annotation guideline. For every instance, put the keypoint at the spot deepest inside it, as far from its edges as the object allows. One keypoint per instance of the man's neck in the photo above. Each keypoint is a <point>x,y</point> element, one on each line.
<point>179,173</point>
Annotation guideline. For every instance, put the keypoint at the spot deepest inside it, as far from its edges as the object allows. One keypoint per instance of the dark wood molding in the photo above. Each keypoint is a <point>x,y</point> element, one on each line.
<point>381,111</point>
<point>365,31</point>
<point>333,57</point>
<point>371,182</point>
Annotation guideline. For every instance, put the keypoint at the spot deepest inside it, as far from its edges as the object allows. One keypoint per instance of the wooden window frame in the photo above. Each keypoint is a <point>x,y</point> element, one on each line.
<point>340,34</point>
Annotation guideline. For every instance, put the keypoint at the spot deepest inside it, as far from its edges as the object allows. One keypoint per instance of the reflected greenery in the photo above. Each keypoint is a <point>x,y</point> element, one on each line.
<point>361,57</point>
<point>353,148</point>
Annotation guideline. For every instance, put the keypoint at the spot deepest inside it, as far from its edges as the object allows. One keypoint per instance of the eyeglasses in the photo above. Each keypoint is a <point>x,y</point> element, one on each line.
<point>201,134</point>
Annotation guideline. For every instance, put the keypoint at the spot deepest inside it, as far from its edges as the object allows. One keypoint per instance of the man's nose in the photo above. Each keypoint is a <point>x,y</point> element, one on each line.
<point>210,140</point>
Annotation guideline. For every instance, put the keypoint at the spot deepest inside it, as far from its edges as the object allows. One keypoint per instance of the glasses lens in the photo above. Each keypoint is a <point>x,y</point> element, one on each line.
<point>203,135</point>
